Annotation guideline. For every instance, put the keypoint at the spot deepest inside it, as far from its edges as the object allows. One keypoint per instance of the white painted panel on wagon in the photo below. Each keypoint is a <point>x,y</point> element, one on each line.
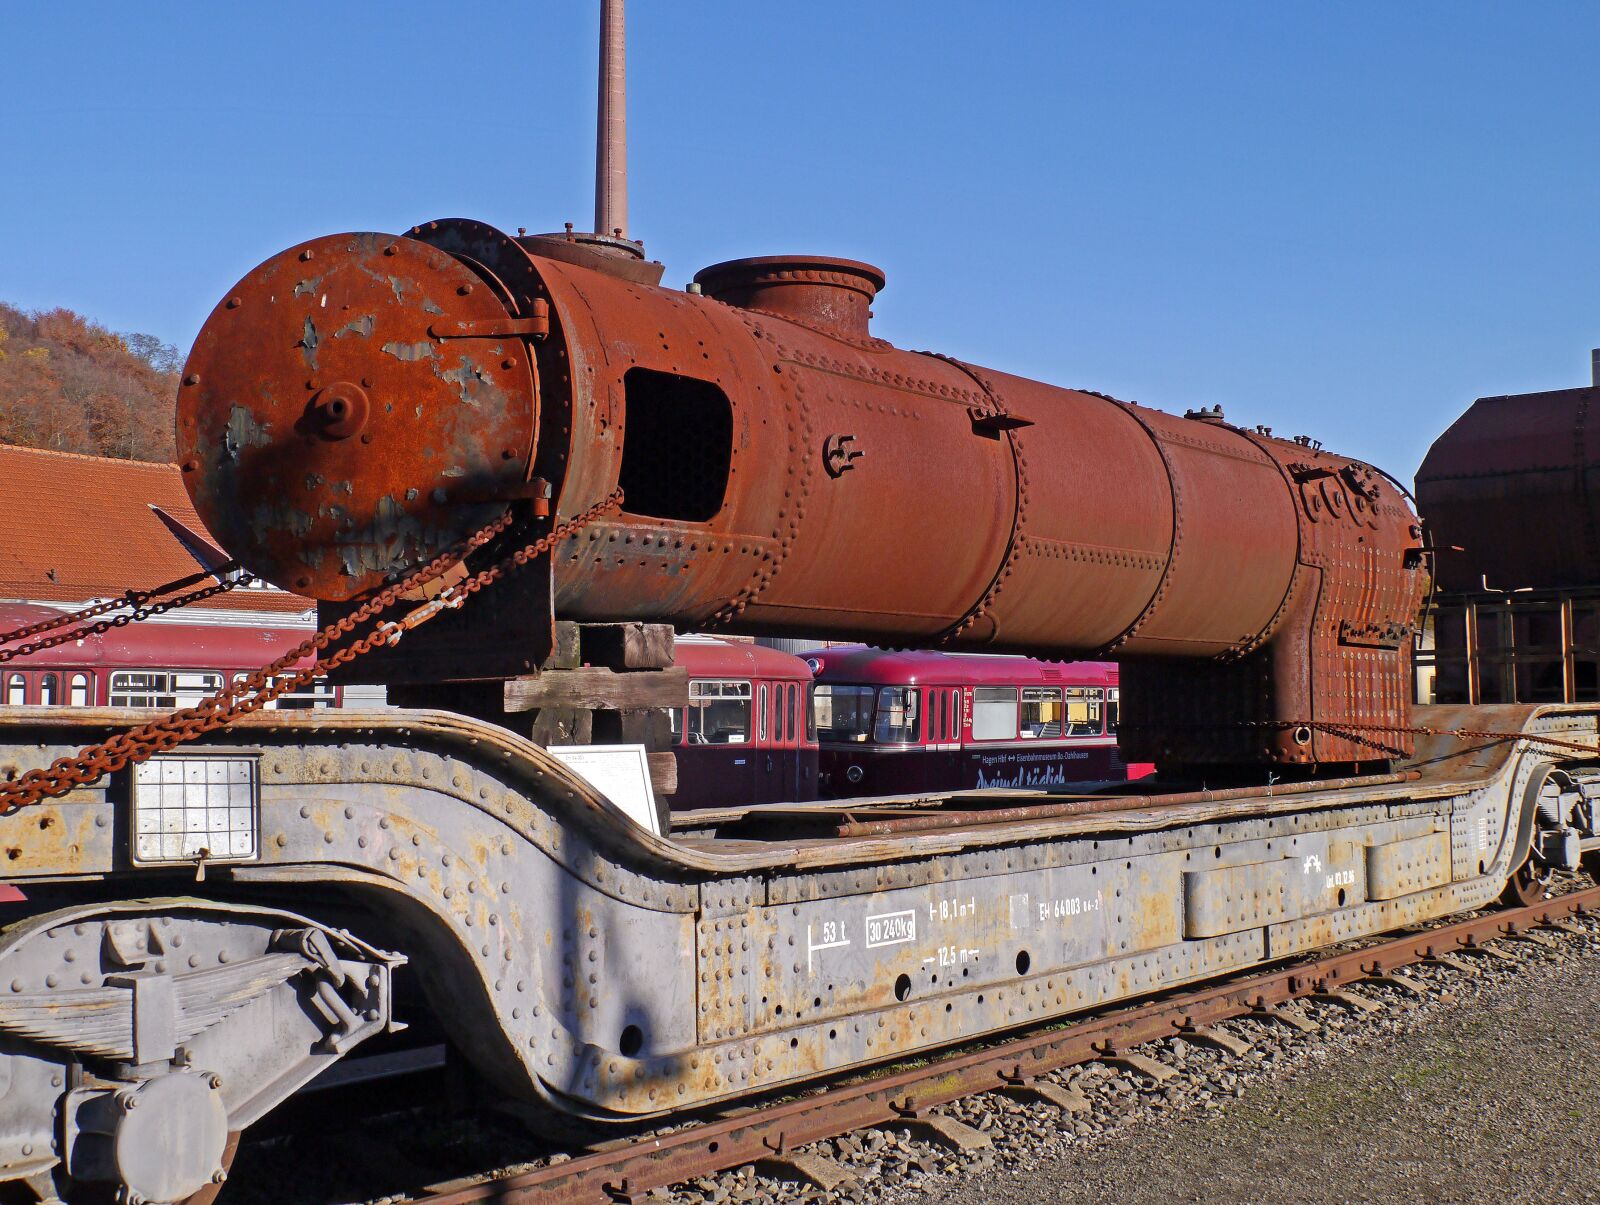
<point>619,772</point>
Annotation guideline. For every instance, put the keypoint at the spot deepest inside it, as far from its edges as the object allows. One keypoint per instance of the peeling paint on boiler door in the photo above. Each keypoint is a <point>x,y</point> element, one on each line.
<point>321,384</point>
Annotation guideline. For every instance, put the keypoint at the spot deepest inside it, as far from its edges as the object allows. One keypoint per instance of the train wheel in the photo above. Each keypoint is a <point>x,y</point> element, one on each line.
<point>209,1193</point>
<point>1526,885</point>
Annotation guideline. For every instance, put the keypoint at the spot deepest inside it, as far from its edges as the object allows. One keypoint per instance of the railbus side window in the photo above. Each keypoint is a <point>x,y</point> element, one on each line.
<point>1113,709</point>
<point>78,691</point>
<point>49,690</point>
<point>314,695</point>
<point>761,723</point>
<point>897,715</point>
<point>1041,712</point>
<point>16,690</point>
<point>994,713</point>
<point>719,713</point>
<point>808,700</point>
<point>162,688</point>
<point>842,713</point>
<point>1085,710</point>
<point>317,693</point>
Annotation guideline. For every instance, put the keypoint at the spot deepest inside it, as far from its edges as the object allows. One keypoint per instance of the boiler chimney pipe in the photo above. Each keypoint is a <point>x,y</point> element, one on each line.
<point>611,135</point>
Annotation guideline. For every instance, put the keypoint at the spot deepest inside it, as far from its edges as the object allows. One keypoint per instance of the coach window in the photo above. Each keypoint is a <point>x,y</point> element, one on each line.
<point>1041,712</point>
<point>315,694</point>
<point>719,712</point>
<point>50,690</point>
<point>1113,707</point>
<point>842,713</point>
<point>16,690</point>
<point>994,713</point>
<point>162,688</point>
<point>1085,710</point>
<point>78,691</point>
<point>897,716</point>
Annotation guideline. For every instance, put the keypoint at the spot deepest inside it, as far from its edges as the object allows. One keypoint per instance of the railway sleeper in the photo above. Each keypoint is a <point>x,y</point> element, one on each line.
<point>598,971</point>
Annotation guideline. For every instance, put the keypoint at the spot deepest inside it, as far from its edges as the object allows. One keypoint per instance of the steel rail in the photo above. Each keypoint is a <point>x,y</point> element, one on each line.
<point>625,1171</point>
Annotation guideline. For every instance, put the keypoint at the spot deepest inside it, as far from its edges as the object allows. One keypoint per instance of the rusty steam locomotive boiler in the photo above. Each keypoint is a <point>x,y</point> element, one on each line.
<point>360,402</point>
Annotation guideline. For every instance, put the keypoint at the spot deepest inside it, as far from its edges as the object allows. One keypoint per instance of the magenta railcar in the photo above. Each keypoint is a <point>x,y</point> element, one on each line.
<point>746,736</point>
<point>165,665</point>
<point>894,723</point>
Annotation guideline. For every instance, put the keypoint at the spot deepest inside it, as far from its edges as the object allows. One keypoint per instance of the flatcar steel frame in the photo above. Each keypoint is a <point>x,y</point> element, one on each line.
<point>583,963</point>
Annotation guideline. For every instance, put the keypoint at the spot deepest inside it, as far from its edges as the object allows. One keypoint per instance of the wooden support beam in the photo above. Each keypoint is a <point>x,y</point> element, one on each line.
<point>563,726</point>
<point>663,773</point>
<point>591,686</point>
<point>651,728</point>
<point>627,645</point>
<point>566,654</point>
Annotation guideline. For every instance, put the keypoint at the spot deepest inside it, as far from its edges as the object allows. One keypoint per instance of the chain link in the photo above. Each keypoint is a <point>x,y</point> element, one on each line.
<point>1352,732</point>
<point>267,683</point>
<point>101,626</point>
<point>138,600</point>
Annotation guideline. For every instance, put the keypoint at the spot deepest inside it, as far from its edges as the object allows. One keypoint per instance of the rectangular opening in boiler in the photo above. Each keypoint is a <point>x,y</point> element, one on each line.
<point>677,445</point>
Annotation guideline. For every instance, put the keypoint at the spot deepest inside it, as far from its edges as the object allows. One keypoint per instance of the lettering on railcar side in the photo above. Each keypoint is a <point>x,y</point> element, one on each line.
<point>891,928</point>
<point>833,936</point>
<point>952,909</point>
<point>950,956</point>
<point>1072,905</point>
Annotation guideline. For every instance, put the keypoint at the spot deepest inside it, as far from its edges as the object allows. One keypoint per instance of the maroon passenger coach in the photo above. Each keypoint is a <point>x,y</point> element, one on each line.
<point>166,665</point>
<point>891,723</point>
<point>746,736</point>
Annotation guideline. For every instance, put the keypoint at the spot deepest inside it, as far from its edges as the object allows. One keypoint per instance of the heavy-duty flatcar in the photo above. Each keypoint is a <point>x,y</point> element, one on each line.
<point>892,722</point>
<point>747,734</point>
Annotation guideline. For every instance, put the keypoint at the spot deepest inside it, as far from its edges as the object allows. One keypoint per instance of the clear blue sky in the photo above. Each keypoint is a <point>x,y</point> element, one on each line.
<point>1346,220</point>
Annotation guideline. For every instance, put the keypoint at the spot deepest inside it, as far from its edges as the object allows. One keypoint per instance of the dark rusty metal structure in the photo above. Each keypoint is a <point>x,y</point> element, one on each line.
<point>1511,493</point>
<point>358,403</point>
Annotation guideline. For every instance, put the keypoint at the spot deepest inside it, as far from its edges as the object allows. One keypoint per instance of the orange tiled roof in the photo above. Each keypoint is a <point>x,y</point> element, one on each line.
<point>75,527</point>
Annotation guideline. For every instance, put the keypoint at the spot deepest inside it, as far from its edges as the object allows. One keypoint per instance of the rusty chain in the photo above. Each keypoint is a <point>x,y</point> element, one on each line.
<point>130,598</point>
<point>267,683</point>
<point>1352,732</point>
<point>141,610</point>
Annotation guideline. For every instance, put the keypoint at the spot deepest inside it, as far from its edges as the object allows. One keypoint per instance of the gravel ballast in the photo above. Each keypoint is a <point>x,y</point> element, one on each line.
<point>1478,1088</point>
<point>1484,1092</point>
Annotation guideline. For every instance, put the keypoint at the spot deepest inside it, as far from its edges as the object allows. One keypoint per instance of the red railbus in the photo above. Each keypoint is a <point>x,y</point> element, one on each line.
<point>164,665</point>
<point>896,723</point>
<point>746,736</point>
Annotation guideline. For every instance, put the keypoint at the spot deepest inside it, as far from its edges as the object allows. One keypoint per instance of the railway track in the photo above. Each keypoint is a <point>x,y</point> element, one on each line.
<point>772,1135</point>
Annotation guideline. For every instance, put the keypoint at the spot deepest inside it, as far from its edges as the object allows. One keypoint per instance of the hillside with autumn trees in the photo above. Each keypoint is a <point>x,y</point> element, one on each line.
<point>69,384</point>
